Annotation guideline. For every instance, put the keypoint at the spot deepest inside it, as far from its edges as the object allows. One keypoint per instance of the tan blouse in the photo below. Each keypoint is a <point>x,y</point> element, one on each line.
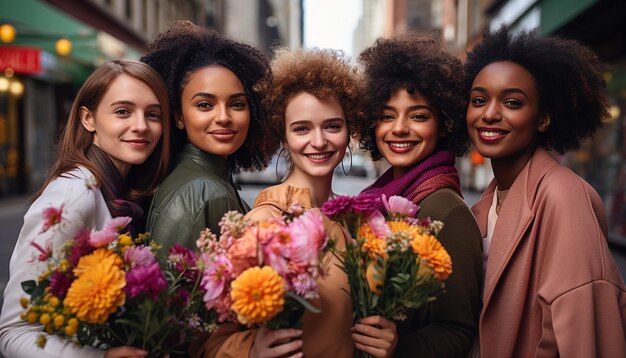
<point>326,334</point>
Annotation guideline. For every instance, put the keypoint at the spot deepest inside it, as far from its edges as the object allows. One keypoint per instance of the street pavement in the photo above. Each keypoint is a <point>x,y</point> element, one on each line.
<point>12,211</point>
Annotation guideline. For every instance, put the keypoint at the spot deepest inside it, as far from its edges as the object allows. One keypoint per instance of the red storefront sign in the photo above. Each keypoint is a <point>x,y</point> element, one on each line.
<point>21,59</point>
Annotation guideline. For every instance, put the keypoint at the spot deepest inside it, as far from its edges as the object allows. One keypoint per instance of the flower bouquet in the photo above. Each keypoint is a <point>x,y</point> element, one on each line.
<point>393,264</point>
<point>263,273</point>
<point>105,288</point>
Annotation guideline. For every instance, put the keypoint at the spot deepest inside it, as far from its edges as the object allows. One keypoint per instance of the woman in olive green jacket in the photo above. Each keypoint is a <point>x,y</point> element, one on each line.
<point>219,129</point>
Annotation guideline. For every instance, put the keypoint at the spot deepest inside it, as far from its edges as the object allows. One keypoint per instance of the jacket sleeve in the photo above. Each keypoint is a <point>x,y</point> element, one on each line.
<point>228,341</point>
<point>447,326</point>
<point>18,338</point>
<point>581,292</point>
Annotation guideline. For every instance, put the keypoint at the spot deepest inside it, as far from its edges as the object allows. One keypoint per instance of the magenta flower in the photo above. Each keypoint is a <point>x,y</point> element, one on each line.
<point>399,205</point>
<point>378,224</point>
<point>136,256</point>
<point>363,204</point>
<point>183,261</point>
<point>216,275</point>
<point>305,286</point>
<point>81,247</point>
<point>51,217</point>
<point>337,206</point>
<point>59,283</point>
<point>44,253</point>
<point>148,280</point>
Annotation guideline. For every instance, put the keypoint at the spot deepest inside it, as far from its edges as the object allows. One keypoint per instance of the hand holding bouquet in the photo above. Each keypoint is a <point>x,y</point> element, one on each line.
<point>263,274</point>
<point>393,264</point>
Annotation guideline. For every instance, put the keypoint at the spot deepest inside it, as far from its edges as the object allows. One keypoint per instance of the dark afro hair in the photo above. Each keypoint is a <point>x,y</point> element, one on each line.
<point>323,73</point>
<point>415,62</point>
<point>185,48</point>
<point>568,77</point>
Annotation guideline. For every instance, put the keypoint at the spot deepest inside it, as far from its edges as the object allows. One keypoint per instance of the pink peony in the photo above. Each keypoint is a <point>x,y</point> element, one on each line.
<point>337,206</point>
<point>399,205</point>
<point>378,224</point>
<point>139,256</point>
<point>363,204</point>
<point>308,238</point>
<point>243,253</point>
<point>148,280</point>
<point>217,274</point>
<point>51,217</point>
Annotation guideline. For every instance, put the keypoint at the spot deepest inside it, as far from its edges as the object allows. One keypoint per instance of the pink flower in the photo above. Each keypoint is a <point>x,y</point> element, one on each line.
<point>44,253</point>
<point>307,238</point>
<point>148,280</point>
<point>363,204</point>
<point>102,237</point>
<point>51,217</point>
<point>377,223</point>
<point>305,286</point>
<point>399,205</point>
<point>81,247</point>
<point>59,283</point>
<point>117,224</point>
<point>216,276</point>
<point>136,256</point>
<point>243,253</point>
<point>183,261</point>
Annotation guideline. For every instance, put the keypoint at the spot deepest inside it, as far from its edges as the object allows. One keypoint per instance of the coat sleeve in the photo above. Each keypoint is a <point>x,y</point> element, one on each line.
<point>581,292</point>
<point>18,338</point>
<point>228,341</point>
<point>447,327</point>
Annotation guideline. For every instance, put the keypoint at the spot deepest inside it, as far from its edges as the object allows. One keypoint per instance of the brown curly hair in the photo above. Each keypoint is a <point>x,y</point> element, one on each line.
<point>416,62</point>
<point>323,73</point>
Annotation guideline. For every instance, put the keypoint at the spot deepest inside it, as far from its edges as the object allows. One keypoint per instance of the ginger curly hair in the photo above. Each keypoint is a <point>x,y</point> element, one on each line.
<point>323,73</point>
<point>416,62</point>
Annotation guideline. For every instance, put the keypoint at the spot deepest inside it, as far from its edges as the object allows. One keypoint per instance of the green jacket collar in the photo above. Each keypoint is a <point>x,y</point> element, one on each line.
<point>209,162</point>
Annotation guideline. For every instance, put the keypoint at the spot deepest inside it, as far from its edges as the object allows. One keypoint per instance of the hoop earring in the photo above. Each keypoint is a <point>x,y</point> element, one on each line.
<point>343,168</point>
<point>278,176</point>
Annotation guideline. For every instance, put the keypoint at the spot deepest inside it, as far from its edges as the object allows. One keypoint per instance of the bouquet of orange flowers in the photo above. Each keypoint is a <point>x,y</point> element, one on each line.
<point>263,273</point>
<point>104,288</point>
<point>393,264</point>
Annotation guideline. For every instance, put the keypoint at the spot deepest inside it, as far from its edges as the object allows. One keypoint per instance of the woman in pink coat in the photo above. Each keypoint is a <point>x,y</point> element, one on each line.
<point>551,285</point>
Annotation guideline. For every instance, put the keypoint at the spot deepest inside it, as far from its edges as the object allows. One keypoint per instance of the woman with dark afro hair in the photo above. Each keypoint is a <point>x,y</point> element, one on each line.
<point>415,120</point>
<point>313,98</point>
<point>220,125</point>
<point>551,286</point>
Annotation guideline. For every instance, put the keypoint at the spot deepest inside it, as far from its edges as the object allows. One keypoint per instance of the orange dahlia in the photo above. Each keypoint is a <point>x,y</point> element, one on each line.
<point>431,252</point>
<point>257,295</point>
<point>97,292</point>
<point>372,244</point>
<point>88,261</point>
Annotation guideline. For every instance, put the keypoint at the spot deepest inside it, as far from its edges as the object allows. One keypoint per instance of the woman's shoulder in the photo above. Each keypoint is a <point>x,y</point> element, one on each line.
<point>561,186</point>
<point>441,203</point>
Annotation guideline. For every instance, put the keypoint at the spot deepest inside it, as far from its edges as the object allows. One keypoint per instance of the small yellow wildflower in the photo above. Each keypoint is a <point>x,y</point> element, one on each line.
<point>64,265</point>
<point>44,319</point>
<point>70,330</point>
<point>54,301</point>
<point>125,239</point>
<point>41,341</point>
<point>24,302</point>
<point>58,321</point>
<point>32,317</point>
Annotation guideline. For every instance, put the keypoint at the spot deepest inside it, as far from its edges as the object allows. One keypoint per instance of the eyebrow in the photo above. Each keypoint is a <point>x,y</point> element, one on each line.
<point>129,103</point>
<point>504,91</point>
<point>209,95</point>
<point>335,119</point>
<point>412,108</point>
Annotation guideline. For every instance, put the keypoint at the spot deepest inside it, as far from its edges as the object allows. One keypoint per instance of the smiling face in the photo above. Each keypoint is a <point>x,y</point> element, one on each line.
<point>316,135</point>
<point>126,123</point>
<point>215,110</point>
<point>407,130</point>
<point>503,114</point>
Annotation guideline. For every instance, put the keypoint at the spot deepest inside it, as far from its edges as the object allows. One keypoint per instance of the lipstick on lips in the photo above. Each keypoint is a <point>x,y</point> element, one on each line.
<point>319,158</point>
<point>401,147</point>
<point>491,134</point>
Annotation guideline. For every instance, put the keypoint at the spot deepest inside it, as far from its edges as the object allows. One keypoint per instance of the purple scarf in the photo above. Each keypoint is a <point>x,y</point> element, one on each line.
<point>431,174</point>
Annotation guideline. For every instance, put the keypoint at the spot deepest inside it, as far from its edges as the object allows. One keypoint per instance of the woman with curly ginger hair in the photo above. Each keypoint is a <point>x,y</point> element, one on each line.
<point>551,285</point>
<point>220,125</point>
<point>313,104</point>
<point>415,120</point>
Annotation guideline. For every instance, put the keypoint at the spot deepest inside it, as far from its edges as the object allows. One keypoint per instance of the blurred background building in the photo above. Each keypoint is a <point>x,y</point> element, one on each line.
<point>48,47</point>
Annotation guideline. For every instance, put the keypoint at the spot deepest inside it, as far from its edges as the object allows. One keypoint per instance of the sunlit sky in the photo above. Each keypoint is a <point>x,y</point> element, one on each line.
<point>331,23</point>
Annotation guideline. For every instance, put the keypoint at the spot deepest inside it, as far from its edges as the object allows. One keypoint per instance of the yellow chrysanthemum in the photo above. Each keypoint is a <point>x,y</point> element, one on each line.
<point>430,251</point>
<point>257,295</point>
<point>125,239</point>
<point>411,231</point>
<point>97,292</point>
<point>373,245</point>
<point>87,262</point>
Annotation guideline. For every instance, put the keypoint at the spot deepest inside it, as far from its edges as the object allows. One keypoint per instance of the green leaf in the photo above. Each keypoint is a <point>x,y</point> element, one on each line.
<point>306,304</point>
<point>29,286</point>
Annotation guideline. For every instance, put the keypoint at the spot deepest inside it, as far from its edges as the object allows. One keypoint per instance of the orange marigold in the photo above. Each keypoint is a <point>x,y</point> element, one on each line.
<point>430,251</point>
<point>373,245</point>
<point>257,295</point>
<point>88,261</point>
<point>97,292</point>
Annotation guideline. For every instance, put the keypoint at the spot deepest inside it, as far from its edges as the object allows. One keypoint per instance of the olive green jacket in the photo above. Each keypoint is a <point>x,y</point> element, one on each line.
<point>447,326</point>
<point>193,197</point>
